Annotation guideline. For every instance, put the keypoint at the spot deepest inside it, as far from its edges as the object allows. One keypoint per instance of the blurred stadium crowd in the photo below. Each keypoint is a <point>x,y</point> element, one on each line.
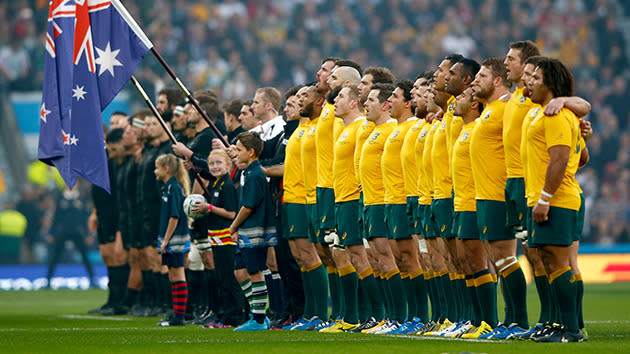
<point>232,47</point>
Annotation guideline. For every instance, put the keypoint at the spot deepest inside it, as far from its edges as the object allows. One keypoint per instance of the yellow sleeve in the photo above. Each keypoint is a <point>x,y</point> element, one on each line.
<point>557,131</point>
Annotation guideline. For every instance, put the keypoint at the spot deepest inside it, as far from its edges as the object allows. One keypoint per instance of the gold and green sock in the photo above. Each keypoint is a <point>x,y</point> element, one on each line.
<point>421,294</point>
<point>565,288</point>
<point>580,297</point>
<point>487,296</point>
<point>349,280</point>
<point>335,291</point>
<point>399,298</point>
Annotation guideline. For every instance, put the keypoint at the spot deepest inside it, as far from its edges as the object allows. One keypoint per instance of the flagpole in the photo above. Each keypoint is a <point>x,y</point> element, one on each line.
<point>165,127</point>
<point>191,99</point>
<point>143,37</point>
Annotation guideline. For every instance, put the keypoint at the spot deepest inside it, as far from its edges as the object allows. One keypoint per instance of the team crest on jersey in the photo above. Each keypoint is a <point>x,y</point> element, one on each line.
<point>451,106</point>
<point>216,194</point>
<point>423,133</point>
<point>327,111</point>
<point>344,136</point>
<point>375,136</point>
<point>301,133</point>
<point>487,115</point>
<point>522,99</point>
<point>465,136</point>
<point>313,130</point>
<point>394,134</point>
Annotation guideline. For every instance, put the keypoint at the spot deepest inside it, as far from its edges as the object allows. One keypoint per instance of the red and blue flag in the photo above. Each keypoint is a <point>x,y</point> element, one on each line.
<point>92,49</point>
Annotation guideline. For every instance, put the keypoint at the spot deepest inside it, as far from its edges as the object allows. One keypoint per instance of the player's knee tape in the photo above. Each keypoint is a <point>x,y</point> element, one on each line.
<point>521,235</point>
<point>505,263</point>
<point>422,245</point>
<point>194,258</point>
<point>203,244</point>
<point>329,235</point>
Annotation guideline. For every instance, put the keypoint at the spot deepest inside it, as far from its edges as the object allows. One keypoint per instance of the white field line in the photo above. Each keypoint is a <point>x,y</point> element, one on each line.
<point>99,318</point>
<point>612,321</point>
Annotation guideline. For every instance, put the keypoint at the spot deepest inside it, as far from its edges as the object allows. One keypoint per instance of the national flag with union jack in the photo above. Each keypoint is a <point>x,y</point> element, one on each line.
<point>92,49</point>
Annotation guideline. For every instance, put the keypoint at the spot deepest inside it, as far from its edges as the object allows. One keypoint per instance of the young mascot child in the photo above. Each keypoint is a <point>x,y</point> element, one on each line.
<point>254,230</point>
<point>174,240</point>
<point>219,212</point>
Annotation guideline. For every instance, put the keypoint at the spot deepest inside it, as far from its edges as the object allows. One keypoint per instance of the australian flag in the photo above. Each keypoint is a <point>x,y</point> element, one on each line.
<point>92,49</point>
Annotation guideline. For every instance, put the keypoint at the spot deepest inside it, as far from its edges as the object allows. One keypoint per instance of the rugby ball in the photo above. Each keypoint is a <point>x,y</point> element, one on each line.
<point>190,201</point>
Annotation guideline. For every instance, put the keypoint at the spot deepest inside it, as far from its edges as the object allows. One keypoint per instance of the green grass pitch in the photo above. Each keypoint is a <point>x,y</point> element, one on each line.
<point>51,321</point>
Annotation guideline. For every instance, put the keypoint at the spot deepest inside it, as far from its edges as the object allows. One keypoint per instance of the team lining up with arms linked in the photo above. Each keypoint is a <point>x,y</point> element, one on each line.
<point>397,194</point>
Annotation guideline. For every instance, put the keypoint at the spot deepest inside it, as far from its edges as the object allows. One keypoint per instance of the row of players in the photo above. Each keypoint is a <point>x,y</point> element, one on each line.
<point>445,156</point>
<point>448,165</point>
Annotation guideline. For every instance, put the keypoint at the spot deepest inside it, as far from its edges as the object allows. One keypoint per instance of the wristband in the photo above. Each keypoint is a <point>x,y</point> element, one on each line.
<point>210,206</point>
<point>548,195</point>
<point>543,202</point>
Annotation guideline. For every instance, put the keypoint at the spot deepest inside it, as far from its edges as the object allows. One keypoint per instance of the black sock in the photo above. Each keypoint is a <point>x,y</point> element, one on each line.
<point>158,293</point>
<point>194,286</point>
<point>148,288</point>
<point>118,283</point>
<point>278,293</point>
<point>165,287</point>
<point>111,286</point>
<point>212,289</point>
<point>130,297</point>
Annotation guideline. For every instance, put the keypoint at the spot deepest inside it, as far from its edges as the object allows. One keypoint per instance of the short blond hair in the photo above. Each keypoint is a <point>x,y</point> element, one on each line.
<point>222,153</point>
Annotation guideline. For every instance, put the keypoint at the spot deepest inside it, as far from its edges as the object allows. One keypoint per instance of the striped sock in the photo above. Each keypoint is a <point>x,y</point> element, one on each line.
<point>179,290</point>
<point>246,286</point>
<point>259,300</point>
